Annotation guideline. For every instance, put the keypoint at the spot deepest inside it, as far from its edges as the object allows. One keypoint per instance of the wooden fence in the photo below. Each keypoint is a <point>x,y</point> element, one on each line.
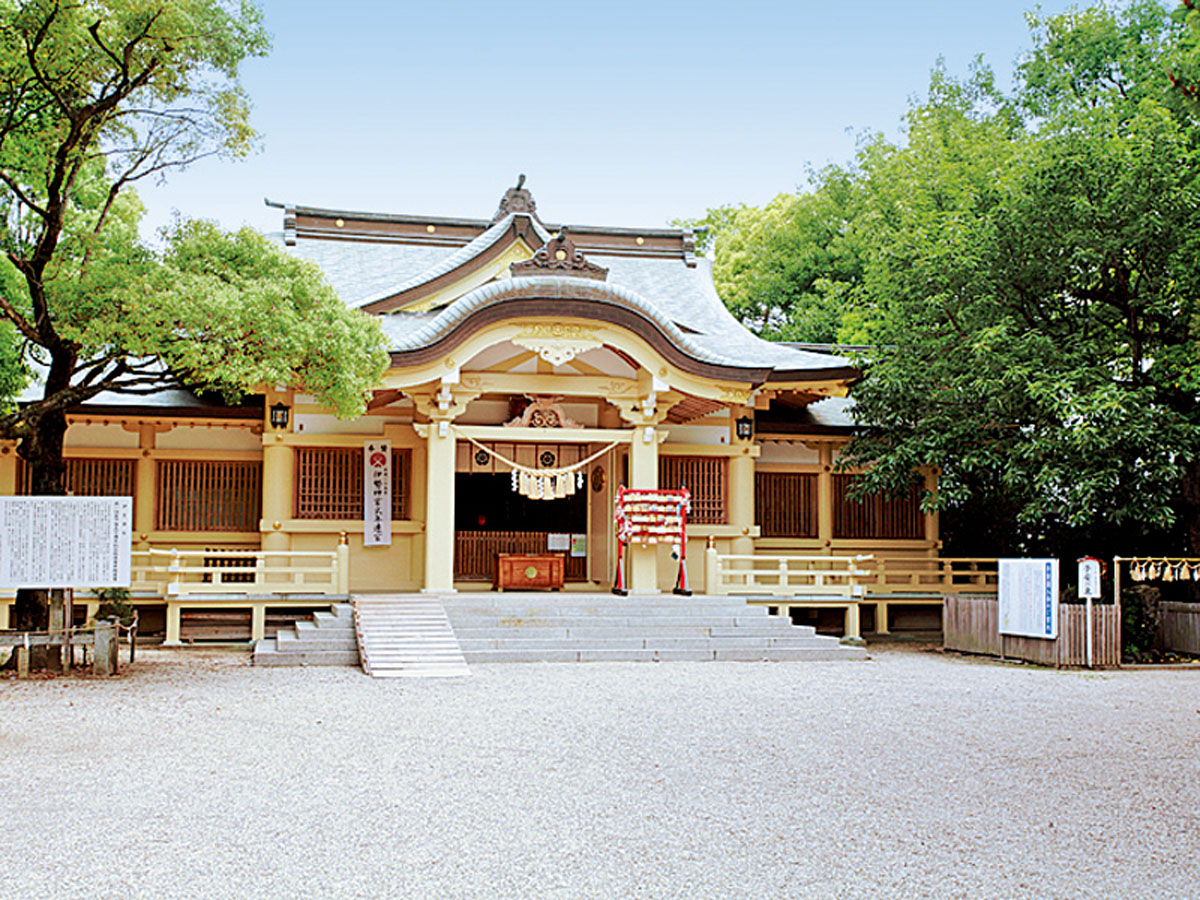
<point>475,553</point>
<point>972,625</point>
<point>1181,627</point>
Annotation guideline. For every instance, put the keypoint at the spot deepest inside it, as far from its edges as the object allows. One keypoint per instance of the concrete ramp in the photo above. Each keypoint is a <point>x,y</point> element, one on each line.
<point>406,636</point>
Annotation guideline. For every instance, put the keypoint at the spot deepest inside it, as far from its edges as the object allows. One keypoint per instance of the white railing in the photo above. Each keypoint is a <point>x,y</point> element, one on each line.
<point>846,576</point>
<point>785,576</point>
<point>181,573</point>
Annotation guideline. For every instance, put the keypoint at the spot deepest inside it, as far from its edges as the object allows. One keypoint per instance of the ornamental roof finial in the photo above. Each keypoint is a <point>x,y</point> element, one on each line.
<point>516,200</point>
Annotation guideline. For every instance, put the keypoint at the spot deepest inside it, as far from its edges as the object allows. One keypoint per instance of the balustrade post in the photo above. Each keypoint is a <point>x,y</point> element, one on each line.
<point>342,564</point>
<point>712,569</point>
<point>853,634</point>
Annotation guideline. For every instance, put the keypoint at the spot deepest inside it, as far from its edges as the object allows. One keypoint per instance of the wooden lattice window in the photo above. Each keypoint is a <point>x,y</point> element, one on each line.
<point>329,483</point>
<point>707,477</point>
<point>93,477</point>
<point>785,504</point>
<point>198,495</point>
<point>877,515</point>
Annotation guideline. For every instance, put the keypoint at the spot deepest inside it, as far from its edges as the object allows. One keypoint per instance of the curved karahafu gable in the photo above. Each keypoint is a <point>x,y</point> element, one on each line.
<point>559,297</point>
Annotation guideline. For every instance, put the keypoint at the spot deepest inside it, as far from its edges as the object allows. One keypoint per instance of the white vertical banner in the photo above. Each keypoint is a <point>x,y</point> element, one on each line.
<point>377,493</point>
<point>1028,597</point>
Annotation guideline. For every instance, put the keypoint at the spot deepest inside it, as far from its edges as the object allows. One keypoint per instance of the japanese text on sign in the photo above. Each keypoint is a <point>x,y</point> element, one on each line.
<point>65,542</point>
<point>377,493</point>
<point>1029,597</point>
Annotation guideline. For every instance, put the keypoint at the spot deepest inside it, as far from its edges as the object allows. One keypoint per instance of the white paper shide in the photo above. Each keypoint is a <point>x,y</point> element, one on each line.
<point>377,493</point>
<point>65,542</point>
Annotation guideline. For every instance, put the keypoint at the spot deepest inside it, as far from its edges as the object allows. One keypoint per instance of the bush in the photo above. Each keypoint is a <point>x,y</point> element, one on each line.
<point>114,602</point>
<point>1141,618</point>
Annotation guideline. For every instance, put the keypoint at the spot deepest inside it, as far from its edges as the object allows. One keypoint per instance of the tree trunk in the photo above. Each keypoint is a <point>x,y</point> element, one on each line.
<point>42,453</point>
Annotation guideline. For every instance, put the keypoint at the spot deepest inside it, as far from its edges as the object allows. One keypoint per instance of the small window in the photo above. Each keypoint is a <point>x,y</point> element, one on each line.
<point>199,495</point>
<point>877,515</point>
<point>329,483</point>
<point>785,504</point>
<point>707,477</point>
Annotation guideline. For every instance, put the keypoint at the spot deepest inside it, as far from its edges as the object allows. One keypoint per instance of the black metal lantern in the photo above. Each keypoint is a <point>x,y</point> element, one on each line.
<point>745,428</point>
<point>279,415</point>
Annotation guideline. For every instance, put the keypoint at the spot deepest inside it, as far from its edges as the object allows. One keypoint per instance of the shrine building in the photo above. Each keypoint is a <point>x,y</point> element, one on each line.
<point>529,358</point>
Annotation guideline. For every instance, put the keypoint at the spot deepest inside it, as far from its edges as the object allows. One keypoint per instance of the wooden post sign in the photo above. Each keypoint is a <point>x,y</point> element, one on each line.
<point>1089,590</point>
<point>1028,595</point>
<point>65,542</point>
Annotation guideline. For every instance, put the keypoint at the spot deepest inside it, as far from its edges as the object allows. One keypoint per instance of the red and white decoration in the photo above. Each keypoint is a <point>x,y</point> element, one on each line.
<point>644,516</point>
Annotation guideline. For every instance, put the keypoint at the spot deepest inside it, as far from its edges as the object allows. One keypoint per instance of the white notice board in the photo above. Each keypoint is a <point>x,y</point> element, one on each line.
<point>1029,597</point>
<point>65,542</point>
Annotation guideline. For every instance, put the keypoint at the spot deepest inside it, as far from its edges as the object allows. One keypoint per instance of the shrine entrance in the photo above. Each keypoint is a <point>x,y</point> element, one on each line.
<point>492,516</point>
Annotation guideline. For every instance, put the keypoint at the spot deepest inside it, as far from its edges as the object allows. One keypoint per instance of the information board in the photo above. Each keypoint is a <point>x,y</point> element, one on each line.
<point>65,542</point>
<point>1029,597</point>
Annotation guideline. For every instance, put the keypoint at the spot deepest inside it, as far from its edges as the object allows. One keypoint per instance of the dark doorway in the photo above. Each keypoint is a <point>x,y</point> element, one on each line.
<point>491,518</point>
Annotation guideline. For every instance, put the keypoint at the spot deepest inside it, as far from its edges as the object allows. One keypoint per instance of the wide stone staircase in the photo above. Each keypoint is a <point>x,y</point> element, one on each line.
<point>541,627</point>
<point>328,640</point>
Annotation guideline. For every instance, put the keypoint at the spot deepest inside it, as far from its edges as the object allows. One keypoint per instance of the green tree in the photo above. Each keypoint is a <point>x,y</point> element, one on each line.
<point>1033,278</point>
<point>95,96</point>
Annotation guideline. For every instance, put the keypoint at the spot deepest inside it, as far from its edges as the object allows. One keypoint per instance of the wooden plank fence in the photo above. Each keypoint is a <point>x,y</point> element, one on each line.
<point>971,625</point>
<point>1181,627</point>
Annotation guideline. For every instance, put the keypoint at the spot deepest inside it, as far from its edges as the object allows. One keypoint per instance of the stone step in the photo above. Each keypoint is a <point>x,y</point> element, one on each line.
<point>779,654</point>
<point>551,621</point>
<point>290,643</point>
<point>266,654</point>
<point>642,643</point>
<point>587,632</point>
<point>513,608</point>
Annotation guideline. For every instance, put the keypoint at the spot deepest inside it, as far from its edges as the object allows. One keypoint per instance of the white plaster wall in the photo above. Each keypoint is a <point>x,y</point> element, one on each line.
<point>101,436</point>
<point>697,434</point>
<point>310,423</point>
<point>780,452</point>
<point>201,437</point>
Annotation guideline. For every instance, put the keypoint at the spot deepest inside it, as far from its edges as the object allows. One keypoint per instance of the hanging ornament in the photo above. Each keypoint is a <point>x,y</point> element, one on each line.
<point>1168,572</point>
<point>1137,571</point>
<point>1184,573</point>
<point>516,480</point>
<point>579,479</point>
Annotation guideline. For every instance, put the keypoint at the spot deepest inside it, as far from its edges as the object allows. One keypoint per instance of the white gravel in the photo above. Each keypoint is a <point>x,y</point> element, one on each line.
<point>912,775</point>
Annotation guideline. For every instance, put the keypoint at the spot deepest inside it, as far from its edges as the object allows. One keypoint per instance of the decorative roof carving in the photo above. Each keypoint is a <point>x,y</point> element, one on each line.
<point>516,200</point>
<point>559,257</point>
<point>543,412</point>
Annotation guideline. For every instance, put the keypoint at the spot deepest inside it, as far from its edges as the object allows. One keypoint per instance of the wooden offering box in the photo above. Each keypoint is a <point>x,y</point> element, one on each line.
<point>524,572</point>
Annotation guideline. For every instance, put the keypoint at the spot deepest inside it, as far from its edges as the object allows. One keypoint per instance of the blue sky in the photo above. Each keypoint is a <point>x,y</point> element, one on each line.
<point>620,112</point>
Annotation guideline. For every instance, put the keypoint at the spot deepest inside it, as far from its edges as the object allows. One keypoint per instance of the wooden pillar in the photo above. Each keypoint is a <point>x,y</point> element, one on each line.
<point>741,499</point>
<point>439,507</point>
<point>5,612</point>
<point>8,469</point>
<point>173,629</point>
<point>853,634</point>
<point>143,503</point>
<point>825,497</point>
<point>278,487</point>
<point>881,617</point>
<point>643,473</point>
<point>932,520</point>
<point>258,622</point>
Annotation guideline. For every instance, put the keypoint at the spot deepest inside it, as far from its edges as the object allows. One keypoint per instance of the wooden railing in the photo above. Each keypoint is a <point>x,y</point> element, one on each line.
<point>182,573</point>
<point>846,576</point>
<point>947,575</point>
<point>784,576</point>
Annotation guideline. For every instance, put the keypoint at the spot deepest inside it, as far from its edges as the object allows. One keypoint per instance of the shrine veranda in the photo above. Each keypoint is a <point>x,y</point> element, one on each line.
<point>535,371</point>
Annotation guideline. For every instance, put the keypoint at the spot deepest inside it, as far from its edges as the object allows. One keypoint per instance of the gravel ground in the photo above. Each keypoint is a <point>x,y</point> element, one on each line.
<point>912,775</point>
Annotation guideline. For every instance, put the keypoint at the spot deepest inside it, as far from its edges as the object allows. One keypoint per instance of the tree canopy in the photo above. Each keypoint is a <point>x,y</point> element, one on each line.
<point>1024,265</point>
<point>97,96</point>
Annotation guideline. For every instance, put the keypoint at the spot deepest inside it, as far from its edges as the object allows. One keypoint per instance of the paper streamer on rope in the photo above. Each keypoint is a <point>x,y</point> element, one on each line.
<point>542,484</point>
